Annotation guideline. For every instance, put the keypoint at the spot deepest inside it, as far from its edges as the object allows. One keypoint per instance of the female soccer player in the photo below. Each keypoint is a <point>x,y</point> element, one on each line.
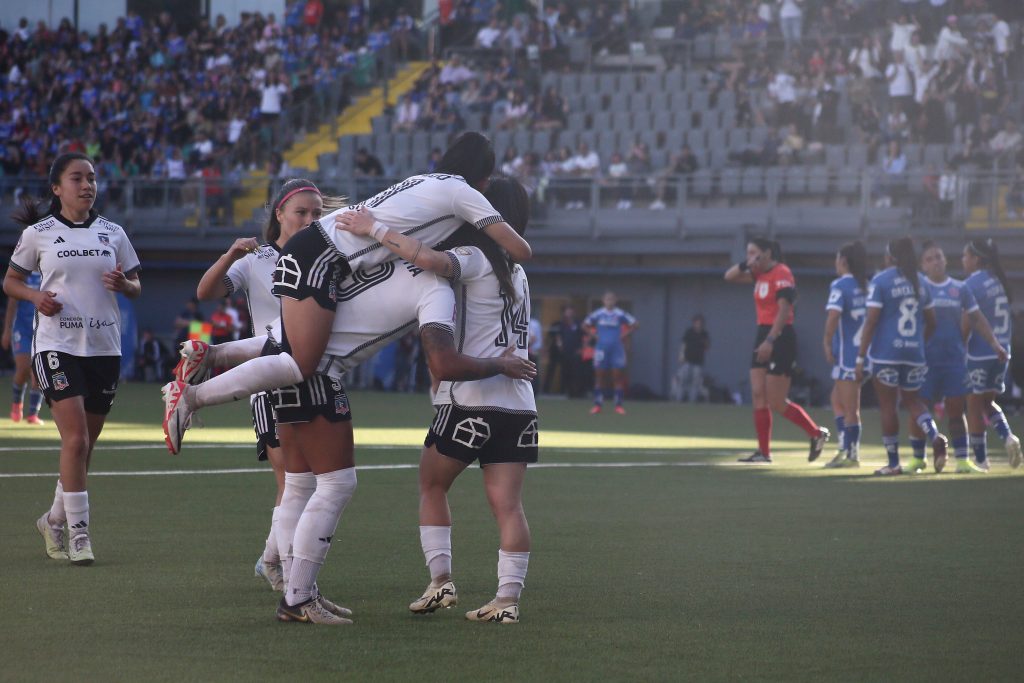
<point>612,325</point>
<point>84,260</point>
<point>946,356</point>
<point>986,366</point>
<point>17,336</point>
<point>431,206</point>
<point>248,266</point>
<point>900,317</point>
<point>842,341</point>
<point>774,347</point>
<point>491,420</point>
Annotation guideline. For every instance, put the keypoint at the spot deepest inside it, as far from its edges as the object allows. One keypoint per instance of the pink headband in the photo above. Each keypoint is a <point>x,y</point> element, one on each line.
<point>308,188</point>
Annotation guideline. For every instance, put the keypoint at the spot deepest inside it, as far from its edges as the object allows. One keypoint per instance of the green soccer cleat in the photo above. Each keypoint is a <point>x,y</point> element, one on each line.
<point>80,550</point>
<point>498,614</point>
<point>434,598</point>
<point>915,466</point>
<point>54,538</point>
<point>965,466</point>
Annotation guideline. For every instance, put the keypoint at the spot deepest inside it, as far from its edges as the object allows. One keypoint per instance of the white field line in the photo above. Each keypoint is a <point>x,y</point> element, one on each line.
<point>363,468</point>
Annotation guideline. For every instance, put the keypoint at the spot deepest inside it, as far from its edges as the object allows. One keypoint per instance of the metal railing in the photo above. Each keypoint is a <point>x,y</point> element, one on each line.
<point>771,199</point>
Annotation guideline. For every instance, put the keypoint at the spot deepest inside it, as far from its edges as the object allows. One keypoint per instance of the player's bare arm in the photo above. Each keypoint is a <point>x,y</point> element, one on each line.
<point>45,302</point>
<point>211,285</point>
<point>447,364</point>
<point>980,325</point>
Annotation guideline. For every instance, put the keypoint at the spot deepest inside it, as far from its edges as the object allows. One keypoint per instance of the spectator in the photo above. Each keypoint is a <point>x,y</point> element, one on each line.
<point>585,163</point>
<point>684,163</point>
<point>565,344</point>
<point>554,110</point>
<point>153,358</point>
<point>407,113</point>
<point>951,43</point>
<point>901,84</point>
<point>488,36</point>
<point>867,58</point>
<point>949,186</point>
<point>791,19</point>
<point>1006,142</point>
<point>617,178</point>
<point>183,322</point>
<point>223,323</point>
<point>367,165</point>
<point>689,380</point>
<point>455,72</point>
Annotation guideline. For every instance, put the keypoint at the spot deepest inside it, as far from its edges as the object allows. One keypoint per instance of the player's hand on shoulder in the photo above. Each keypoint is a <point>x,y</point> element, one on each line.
<point>47,304</point>
<point>359,221</point>
<point>515,367</point>
<point>243,246</point>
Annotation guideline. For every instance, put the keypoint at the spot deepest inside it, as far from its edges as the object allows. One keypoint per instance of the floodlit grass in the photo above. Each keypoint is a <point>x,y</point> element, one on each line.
<point>697,569</point>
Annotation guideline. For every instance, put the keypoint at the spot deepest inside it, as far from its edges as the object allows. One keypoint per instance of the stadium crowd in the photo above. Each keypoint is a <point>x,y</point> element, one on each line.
<point>149,99</point>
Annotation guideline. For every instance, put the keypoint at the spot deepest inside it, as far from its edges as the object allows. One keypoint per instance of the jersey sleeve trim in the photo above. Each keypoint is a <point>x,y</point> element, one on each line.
<point>133,271</point>
<point>229,284</point>
<point>490,220</point>
<point>874,304</point>
<point>19,269</point>
<point>456,265</point>
<point>834,307</point>
<point>439,326</point>
<point>974,308</point>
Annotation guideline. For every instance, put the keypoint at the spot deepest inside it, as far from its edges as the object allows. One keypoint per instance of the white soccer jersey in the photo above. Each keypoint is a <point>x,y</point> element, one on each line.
<point>428,207</point>
<point>72,258</point>
<point>378,306</point>
<point>254,275</point>
<point>487,323</point>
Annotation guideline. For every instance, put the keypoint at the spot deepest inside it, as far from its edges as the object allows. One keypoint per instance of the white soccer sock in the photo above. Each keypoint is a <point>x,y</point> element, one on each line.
<point>315,530</point>
<point>436,542</point>
<point>234,353</point>
<point>511,573</point>
<point>76,504</point>
<point>56,517</point>
<point>253,376</point>
<point>298,488</point>
<point>270,552</point>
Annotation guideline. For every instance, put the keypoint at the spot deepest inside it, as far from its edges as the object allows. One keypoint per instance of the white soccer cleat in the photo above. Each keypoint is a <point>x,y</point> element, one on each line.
<point>889,471</point>
<point>1013,450</point>
<point>498,614</point>
<point>311,611</point>
<point>177,415</point>
<point>80,550</point>
<point>434,598</point>
<point>271,573</point>
<point>54,538</point>
<point>194,366</point>
<point>334,608</point>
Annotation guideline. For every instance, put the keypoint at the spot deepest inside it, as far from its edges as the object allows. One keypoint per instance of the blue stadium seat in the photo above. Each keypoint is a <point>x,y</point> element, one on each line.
<point>857,156</point>
<point>703,182</point>
<point>729,182</point>
<point>817,180</point>
<point>795,180</point>
<point>752,181</point>
<point>935,155</point>
<point>835,156</point>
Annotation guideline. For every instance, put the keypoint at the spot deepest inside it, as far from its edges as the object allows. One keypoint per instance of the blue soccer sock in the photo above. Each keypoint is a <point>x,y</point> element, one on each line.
<point>35,401</point>
<point>16,392</point>
<point>917,446</point>
<point>960,447</point>
<point>598,397</point>
<point>841,432</point>
<point>979,447</point>
<point>926,423</point>
<point>998,421</point>
<point>851,438</point>
<point>892,449</point>
<point>618,397</point>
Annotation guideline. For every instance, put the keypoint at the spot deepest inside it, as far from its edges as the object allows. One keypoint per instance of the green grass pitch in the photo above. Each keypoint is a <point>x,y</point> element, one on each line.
<point>681,566</point>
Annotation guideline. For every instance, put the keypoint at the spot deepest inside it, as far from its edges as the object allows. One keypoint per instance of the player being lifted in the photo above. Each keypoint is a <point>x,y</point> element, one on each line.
<point>428,206</point>
<point>774,346</point>
<point>612,326</point>
<point>85,260</point>
<point>986,366</point>
<point>901,315</point>
<point>493,421</point>
<point>946,356</point>
<point>248,266</point>
<point>842,341</point>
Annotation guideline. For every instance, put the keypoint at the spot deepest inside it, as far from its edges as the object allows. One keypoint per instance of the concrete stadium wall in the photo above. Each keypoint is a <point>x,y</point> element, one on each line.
<point>664,307</point>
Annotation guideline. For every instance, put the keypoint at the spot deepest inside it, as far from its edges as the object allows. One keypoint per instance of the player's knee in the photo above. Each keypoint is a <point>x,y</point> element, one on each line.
<point>76,444</point>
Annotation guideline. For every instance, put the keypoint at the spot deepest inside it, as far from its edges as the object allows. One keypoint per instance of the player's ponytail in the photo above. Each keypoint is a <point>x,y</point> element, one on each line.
<point>767,244</point>
<point>988,253</point>
<point>902,252</point>
<point>32,209</point>
<point>856,257</point>
<point>272,228</point>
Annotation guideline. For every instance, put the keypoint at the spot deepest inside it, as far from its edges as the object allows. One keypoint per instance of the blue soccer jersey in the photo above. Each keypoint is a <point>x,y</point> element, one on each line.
<point>847,298</point>
<point>25,313</point>
<point>899,336</point>
<point>952,298</point>
<point>995,306</point>
<point>608,324</point>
